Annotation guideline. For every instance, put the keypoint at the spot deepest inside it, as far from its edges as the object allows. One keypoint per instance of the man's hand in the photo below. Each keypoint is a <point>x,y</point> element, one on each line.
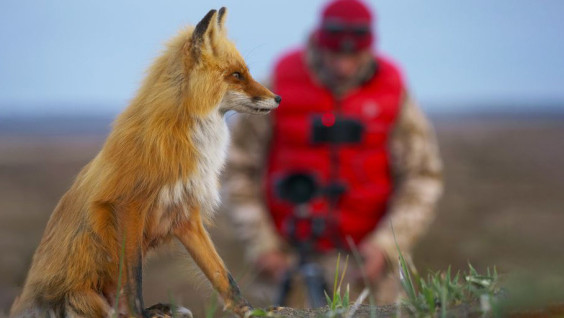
<point>273,263</point>
<point>374,261</point>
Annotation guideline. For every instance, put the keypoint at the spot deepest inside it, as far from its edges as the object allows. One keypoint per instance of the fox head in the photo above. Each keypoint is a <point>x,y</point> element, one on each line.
<point>216,77</point>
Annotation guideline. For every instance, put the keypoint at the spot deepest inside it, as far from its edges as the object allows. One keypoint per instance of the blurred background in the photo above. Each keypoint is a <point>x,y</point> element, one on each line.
<point>489,74</point>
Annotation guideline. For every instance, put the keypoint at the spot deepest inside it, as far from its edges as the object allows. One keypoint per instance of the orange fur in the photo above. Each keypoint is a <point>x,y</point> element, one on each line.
<point>154,179</point>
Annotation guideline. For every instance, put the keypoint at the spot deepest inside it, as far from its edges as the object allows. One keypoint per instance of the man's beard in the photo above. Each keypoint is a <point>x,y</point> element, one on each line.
<point>340,85</point>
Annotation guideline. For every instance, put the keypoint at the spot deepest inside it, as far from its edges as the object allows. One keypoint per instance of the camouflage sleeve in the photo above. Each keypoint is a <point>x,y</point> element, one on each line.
<point>417,172</point>
<point>243,194</point>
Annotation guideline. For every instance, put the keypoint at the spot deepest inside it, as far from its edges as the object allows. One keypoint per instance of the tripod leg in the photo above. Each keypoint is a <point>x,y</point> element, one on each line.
<point>284,289</point>
<point>315,284</point>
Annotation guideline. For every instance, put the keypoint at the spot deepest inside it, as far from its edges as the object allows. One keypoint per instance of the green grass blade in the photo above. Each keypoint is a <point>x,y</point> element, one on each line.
<point>346,300</point>
<point>329,301</point>
<point>336,278</point>
<point>344,271</point>
<point>337,299</point>
<point>211,307</point>
<point>444,301</point>
<point>405,275</point>
<point>172,302</point>
<point>358,260</point>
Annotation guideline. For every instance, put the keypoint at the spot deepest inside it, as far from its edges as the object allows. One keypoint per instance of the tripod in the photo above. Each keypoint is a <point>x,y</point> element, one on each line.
<point>299,188</point>
<point>311,272</point>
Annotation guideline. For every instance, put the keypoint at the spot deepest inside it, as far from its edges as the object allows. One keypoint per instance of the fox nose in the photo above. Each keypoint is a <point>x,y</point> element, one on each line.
<point>277,99</point>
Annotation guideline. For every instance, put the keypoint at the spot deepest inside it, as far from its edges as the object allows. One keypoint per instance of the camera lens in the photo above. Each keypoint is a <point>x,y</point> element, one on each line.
<point>297,188</point>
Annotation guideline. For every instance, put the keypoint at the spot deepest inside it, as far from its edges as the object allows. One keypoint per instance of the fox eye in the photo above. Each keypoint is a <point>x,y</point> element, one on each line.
<point>237,75</point>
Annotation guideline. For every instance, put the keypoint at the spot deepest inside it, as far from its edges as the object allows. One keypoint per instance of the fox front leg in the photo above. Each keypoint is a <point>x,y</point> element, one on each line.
<point>196,240</point>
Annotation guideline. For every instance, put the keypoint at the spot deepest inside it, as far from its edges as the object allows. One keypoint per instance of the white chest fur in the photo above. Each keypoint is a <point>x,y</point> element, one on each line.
<point>210,137</point>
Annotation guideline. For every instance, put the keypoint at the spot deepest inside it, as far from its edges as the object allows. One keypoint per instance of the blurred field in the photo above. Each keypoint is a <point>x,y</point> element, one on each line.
<point>503,204</point>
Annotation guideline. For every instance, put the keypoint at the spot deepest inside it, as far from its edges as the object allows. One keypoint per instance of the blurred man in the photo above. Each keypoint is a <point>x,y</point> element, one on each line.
<point>348,130</point>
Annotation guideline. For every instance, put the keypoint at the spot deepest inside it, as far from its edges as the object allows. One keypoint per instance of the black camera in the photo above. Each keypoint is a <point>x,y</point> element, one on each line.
<point>336,130</point>
<point>301,187</point>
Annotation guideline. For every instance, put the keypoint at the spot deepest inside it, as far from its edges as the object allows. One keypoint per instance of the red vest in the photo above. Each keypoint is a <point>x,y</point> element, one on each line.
<point>363,167</point>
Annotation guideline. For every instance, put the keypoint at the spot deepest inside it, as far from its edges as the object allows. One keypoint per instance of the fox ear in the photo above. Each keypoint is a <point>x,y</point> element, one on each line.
<point>205,33</point>
<point>222,14</point>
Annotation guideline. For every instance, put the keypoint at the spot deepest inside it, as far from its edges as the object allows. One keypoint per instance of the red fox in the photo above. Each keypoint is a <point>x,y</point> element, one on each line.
<point>156,178</point>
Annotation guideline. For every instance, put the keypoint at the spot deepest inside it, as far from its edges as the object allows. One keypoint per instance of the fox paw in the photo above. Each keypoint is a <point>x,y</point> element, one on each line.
<point>274,308</point>
<point>243,310</point>
<point>249,312</point>
<point>165,311</point>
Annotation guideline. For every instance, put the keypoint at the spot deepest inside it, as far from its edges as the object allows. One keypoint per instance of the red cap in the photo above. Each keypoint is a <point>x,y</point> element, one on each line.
<point>346,25</point>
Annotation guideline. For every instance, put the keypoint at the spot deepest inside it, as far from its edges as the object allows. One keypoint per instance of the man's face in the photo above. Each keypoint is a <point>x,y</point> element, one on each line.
<point>344,68</point>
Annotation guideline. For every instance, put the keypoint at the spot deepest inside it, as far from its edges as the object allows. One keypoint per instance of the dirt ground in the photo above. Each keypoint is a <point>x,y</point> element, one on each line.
<point>503,203</point>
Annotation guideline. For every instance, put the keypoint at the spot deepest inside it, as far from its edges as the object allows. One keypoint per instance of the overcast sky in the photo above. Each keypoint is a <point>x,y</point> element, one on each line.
<point>67,56</point>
